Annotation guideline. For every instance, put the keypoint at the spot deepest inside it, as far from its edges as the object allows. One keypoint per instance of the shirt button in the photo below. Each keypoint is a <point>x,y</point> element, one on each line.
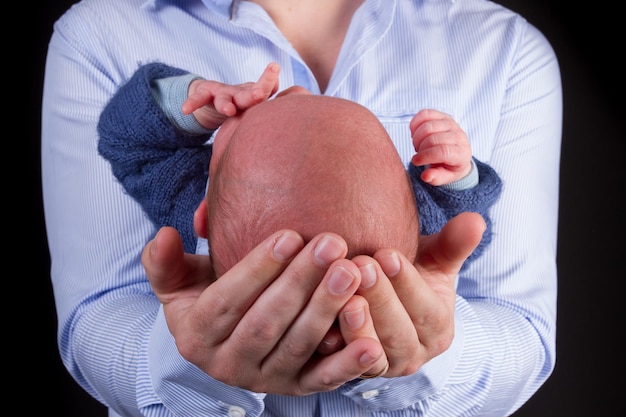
<point>370,394</point>
<point>235,411</point>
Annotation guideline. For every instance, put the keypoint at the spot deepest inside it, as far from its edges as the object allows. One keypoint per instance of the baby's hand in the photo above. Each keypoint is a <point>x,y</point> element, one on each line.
<point>212,102</point>
<point>442,146</point>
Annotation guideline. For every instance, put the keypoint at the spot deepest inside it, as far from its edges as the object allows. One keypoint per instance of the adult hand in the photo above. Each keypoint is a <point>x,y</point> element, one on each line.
<point>415,301</point>
<point>258,326</point>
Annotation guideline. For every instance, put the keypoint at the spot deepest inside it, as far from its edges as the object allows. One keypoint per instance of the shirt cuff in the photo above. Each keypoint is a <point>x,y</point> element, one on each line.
<point>183,388</point>
<point>381,394</point>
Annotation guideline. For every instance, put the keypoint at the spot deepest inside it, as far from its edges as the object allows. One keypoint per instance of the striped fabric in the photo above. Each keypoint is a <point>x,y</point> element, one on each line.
<point>483,64</point>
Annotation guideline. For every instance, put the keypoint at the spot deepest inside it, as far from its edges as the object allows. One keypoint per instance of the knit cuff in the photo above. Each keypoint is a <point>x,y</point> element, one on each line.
<point>170,93</point>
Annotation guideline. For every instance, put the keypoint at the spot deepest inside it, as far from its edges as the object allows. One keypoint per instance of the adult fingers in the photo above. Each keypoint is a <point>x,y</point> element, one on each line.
<point>327,372</point>
<point>429,303</point>
<point>356,322</point>
<point>393,324</point>
<point>292,315</point>
<point>303,336</point>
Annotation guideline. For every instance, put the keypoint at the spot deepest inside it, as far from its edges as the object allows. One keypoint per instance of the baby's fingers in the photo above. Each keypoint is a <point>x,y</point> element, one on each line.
<point>262,90</point>
<point>268,82</point>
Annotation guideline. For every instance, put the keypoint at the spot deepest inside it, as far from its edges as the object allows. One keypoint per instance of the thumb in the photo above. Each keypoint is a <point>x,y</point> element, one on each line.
<point>171,272</point>
<point>447,250</point>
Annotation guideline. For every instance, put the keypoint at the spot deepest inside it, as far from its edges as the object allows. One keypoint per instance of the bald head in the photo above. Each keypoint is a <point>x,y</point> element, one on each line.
<point>312,164</point>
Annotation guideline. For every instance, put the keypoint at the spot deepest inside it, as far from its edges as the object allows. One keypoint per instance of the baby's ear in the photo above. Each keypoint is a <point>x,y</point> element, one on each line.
<point>200,219</point>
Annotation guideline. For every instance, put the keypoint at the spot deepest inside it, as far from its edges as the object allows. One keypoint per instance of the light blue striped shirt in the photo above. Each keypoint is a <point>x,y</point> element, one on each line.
<point>484,65</point>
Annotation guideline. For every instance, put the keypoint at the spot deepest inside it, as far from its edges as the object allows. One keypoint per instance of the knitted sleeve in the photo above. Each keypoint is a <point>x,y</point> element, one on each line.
<point>161,167</point>
<point>437,205</point>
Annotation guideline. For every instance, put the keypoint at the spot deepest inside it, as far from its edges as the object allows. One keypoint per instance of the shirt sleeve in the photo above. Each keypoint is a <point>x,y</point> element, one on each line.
<point>112,335</point>
<point>504,345</point>
<point>109,320</point>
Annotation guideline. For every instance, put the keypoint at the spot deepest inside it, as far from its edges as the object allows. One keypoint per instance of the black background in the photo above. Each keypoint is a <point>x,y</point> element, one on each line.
<point>588,378</point>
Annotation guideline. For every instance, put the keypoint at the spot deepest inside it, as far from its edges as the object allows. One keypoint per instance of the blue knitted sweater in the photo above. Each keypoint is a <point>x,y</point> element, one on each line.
<point>166,170</point>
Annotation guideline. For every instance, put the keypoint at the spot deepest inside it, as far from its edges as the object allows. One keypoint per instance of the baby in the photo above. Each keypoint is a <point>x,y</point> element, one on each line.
<point>312,164</point>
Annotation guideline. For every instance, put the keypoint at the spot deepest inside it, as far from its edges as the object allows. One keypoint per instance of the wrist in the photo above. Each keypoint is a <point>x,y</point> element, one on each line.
<point>470,180</point>
<point>170,93</point>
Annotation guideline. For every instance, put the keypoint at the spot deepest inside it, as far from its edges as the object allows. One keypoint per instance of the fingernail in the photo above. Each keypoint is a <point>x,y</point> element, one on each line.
<point>368,275</point>
<point>355,318</point>
<point>332,342</point>
<point>328,249</point>
<point>286,246</point>
<point>368,358</point>
<point>274,67</point>
<point>340,280</point>
<point>392,265</point>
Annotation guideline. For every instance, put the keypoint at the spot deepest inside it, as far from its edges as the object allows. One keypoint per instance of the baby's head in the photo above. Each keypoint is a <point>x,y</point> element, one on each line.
<point>312,164</point>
